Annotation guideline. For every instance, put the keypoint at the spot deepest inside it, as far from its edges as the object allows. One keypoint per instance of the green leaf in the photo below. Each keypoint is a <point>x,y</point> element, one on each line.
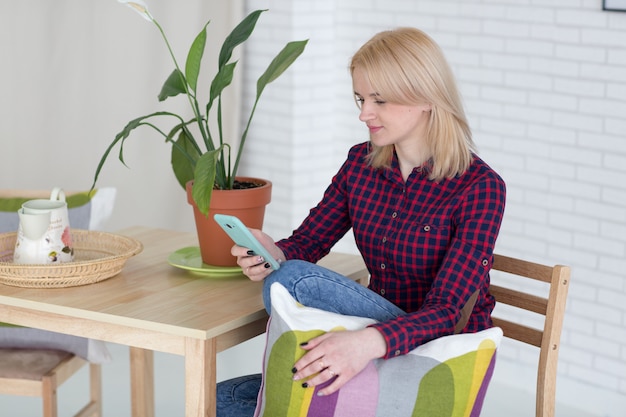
<point>194,58</point>
<point>173,85</point>
<point>204,179</point>
<point>122,136</point>
<point>238,36</point>
<point>222,80</point>
<point>280,63</point>
<point>184,157</point>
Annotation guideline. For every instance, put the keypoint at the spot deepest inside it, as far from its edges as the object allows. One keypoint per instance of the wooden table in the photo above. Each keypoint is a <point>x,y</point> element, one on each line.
<point>152,306</point>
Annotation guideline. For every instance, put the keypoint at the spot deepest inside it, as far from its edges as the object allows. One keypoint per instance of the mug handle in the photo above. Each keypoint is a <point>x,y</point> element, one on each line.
<point>57,194</point>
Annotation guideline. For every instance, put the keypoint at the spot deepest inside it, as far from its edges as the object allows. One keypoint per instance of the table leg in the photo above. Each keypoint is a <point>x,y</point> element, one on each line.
<point>200,378</point>
<point>142,382</point>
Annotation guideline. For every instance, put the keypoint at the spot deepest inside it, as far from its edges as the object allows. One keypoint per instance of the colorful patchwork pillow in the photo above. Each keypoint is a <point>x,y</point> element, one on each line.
<point>447,377</point>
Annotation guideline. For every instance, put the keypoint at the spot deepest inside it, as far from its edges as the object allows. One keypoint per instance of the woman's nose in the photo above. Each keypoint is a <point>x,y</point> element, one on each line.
<point>365,114</point>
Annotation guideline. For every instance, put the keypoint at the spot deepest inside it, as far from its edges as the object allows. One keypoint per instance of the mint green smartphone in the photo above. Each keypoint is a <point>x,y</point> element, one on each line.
<point>240,234</point>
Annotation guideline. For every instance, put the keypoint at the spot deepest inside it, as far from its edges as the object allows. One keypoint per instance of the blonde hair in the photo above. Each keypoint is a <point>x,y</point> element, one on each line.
<point>405,66</point>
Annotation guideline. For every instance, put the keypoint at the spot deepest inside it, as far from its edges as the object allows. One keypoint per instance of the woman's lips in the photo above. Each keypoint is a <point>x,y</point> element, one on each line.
<point>374,129</point>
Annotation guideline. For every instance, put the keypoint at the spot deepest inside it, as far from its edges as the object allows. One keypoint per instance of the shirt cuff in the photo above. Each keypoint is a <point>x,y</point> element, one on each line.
<point>393,340</point>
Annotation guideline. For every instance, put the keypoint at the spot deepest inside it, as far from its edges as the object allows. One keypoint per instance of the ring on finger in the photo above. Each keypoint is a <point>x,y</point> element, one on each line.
<point>330,371</point>
<point>321,364</point>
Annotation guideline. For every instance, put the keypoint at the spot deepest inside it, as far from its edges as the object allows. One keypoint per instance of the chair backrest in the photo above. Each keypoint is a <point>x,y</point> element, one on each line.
<point>552,307</point>
<point>86,210</point>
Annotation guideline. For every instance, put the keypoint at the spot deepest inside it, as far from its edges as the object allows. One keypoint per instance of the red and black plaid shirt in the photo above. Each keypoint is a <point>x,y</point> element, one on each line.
<point>428,245</point>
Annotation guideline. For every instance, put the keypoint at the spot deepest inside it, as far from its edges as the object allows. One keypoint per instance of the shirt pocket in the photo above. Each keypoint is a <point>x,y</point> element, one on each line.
<point>431,239</point>
<point>419,250</point>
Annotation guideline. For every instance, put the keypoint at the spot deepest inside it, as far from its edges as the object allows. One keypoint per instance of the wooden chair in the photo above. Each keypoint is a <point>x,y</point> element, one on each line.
<point>40,372</point>
<point>552,308</point>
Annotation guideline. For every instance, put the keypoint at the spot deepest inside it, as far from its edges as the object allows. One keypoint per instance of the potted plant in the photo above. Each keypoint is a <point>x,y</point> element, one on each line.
<point>201,160</point>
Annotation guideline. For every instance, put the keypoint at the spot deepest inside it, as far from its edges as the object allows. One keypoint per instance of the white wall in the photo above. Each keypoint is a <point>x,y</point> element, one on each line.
<point>74,73</point>
<point>545,88</point>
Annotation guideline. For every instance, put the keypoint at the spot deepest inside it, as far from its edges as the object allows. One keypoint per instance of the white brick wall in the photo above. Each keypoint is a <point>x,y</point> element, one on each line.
<point>545,89</point>
<point>292,130</point>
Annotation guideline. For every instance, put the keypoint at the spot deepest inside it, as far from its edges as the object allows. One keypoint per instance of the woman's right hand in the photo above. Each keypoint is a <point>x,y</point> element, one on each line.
<point>252,265</point>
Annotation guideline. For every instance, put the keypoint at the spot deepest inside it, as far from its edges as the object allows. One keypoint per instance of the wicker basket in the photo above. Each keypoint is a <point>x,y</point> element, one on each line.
<point>97,256</point>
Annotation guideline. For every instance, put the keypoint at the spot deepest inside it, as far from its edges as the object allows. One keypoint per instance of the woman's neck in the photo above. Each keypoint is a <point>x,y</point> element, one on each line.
<point>410,158</point>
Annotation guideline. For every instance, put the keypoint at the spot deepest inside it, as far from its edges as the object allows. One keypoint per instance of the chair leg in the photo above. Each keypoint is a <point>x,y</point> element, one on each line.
<point>49,395</point>
<point>94,407</point>
<point>95,382</point>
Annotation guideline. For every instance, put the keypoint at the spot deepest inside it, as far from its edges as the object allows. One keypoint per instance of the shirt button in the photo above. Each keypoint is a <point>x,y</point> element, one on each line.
<point>394,215</point>
<point>485,262</point>
<point>427,228</point>
<point>384,239</point>
<point>382,292</point>
<point>383,266</point>
<point>397,352</point>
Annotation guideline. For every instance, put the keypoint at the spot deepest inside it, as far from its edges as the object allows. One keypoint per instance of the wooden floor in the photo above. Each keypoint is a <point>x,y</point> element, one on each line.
<point>501,400</point>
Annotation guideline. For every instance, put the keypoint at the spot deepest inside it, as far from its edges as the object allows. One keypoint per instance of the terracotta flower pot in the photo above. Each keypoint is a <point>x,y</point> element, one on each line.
<point>246,204</point>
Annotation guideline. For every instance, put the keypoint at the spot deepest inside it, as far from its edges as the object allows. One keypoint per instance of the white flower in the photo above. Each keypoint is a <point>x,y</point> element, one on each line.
<point>140,7</point>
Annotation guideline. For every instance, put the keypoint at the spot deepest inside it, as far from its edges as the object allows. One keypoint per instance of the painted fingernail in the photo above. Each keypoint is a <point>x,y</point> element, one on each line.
<point>294,370</point>
<point>304,344</point>
<point>250,252</point>
<point>267,265</point>
<point>305,385</point>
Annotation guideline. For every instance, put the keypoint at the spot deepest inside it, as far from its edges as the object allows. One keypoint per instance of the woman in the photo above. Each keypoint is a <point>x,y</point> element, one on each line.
<point>425,212</point>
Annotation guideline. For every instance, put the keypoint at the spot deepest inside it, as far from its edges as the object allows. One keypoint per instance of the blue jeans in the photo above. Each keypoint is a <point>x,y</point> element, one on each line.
<point>312,286</point>
<point>237,397</point>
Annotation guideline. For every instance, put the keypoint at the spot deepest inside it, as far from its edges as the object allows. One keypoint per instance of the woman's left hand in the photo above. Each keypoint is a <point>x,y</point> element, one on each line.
<point>341,354</point>
<point>254,266</point>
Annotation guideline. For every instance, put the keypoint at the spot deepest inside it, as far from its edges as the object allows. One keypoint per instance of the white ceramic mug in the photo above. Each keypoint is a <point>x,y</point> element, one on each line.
<point>43,235</point>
